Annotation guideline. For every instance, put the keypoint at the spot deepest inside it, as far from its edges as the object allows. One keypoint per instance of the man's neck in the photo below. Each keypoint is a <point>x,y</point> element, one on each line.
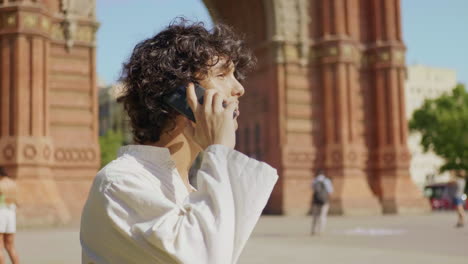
<point>182,151</point>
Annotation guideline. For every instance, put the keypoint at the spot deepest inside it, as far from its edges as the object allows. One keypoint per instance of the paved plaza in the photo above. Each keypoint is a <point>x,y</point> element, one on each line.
<point>426,239</point>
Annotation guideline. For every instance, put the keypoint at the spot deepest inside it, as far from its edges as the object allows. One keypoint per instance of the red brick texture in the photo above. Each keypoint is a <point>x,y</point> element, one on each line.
<point>48,109</point>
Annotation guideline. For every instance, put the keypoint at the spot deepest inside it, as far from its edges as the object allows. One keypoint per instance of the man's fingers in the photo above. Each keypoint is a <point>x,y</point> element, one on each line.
<point>218,103</point>
<point>208,100</point>
<point>192,97</point>
<point>231,107</point>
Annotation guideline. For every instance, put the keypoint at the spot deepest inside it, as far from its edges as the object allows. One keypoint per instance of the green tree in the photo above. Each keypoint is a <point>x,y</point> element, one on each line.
<point>443,124</point>
<point>110,143</point>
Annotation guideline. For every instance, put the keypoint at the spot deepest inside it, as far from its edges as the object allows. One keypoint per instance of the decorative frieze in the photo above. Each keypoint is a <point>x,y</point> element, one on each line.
<point>74,154</point>
<point>79,8</point>
<point>10,20</point>
<point>335,51</point>
<point>31,20</point>
<point>384,56</point>
<point>304,158</point>
<point>347,156</point>
<point>68,30</point>
<point>25,150</point>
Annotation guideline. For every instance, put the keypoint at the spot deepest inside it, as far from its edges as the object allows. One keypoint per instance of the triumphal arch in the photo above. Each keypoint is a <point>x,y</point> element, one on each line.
<point>327,93</point>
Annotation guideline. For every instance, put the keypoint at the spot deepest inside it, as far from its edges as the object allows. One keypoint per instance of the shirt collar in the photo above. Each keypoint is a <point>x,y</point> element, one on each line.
<point>153,155</point>
<point>150,154</point>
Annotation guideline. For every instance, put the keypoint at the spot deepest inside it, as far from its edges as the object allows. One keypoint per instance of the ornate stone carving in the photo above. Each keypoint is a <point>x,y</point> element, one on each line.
<point>90,154</point>
<point>405,157</point>
<point>10,20</point>
<point>29,151</point>
<point>300,158</point>
<point>388,157</point>
<point>399,56</point>
<point>384,56</point>
<point>45,24</point>
<point>9,152</point>
<point>288,22</point>
<point>46,152</point>
<point>333,51</point>
<point>352,156</point>
<point>31,20</point>
<point>69,30</point>
<point>82,8</point>
<point>73,9</point>
<point>75,155</point>
<point>337,156</point>
<point>59,154</point>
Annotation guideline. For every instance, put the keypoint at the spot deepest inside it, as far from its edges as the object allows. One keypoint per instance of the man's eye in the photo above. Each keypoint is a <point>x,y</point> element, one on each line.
<point>222,75</point>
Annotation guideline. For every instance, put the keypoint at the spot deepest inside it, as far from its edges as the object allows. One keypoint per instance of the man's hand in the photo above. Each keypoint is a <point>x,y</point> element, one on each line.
<point>215,123</point>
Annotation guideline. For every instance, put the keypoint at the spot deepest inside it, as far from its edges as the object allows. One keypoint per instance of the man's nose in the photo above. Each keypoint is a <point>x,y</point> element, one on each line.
<point>238,90</point>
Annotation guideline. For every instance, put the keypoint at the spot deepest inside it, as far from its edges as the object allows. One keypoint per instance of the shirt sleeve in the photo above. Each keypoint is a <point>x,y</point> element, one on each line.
<point>212,225</point>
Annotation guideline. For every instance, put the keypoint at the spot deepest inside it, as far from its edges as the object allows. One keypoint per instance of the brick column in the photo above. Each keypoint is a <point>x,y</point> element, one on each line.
<point>276,122</point>
<point>390,155</point>
<point>337,53</point>
<point>25,141</point>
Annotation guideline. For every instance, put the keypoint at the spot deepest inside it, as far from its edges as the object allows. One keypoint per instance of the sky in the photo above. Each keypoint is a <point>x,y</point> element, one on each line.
<point>436,34</point>
<point>434,31</point>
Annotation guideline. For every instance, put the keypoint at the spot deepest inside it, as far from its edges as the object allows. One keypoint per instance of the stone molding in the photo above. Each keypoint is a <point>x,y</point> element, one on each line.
<point>79,8</point>
<point>24,150</point>
<point>68,28</point>
<point>288,22</point>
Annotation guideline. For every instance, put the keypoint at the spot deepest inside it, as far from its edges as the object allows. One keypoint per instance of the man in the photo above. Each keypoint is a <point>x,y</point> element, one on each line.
<point>322,188</point>
<point>7,216</point>
<point>458,200</point>
<point>141,207</point>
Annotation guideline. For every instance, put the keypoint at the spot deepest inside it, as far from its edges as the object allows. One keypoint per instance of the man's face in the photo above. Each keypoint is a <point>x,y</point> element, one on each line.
<point>221,78</point>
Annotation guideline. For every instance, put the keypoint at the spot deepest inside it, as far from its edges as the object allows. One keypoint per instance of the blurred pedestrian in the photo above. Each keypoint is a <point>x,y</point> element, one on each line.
<point>7,216</point>
<point>322,187</point>
<point>458,198</point>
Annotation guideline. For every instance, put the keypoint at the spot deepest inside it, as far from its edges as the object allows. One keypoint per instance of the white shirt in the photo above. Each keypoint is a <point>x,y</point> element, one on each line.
<point>139,210</point>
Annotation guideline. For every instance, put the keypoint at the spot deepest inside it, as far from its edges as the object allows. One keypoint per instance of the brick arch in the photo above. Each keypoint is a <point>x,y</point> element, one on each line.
<point>327,93</point>
<point>256,20</point>
<point>330,73</point>
<point>248,17</point>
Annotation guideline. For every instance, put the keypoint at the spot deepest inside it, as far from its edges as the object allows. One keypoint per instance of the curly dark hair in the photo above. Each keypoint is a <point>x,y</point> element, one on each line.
<point>182,53</point>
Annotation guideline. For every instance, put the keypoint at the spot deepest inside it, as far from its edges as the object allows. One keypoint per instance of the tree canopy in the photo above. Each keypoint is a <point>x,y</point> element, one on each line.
<point>110,144</point>
<point>443,124</point>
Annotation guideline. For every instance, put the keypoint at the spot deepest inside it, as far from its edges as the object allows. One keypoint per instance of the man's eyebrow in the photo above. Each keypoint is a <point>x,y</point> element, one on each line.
<point>226,66</point>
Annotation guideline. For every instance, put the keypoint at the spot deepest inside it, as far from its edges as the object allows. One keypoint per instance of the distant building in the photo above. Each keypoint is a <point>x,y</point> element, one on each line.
<point>423,83</point>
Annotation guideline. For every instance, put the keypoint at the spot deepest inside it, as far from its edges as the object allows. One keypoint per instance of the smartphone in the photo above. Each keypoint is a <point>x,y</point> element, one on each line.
<point>178,100</point>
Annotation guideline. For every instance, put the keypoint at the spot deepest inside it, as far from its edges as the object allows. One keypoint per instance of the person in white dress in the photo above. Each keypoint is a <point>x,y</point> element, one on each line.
<point>141,207</point>
<point>8,204</point>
